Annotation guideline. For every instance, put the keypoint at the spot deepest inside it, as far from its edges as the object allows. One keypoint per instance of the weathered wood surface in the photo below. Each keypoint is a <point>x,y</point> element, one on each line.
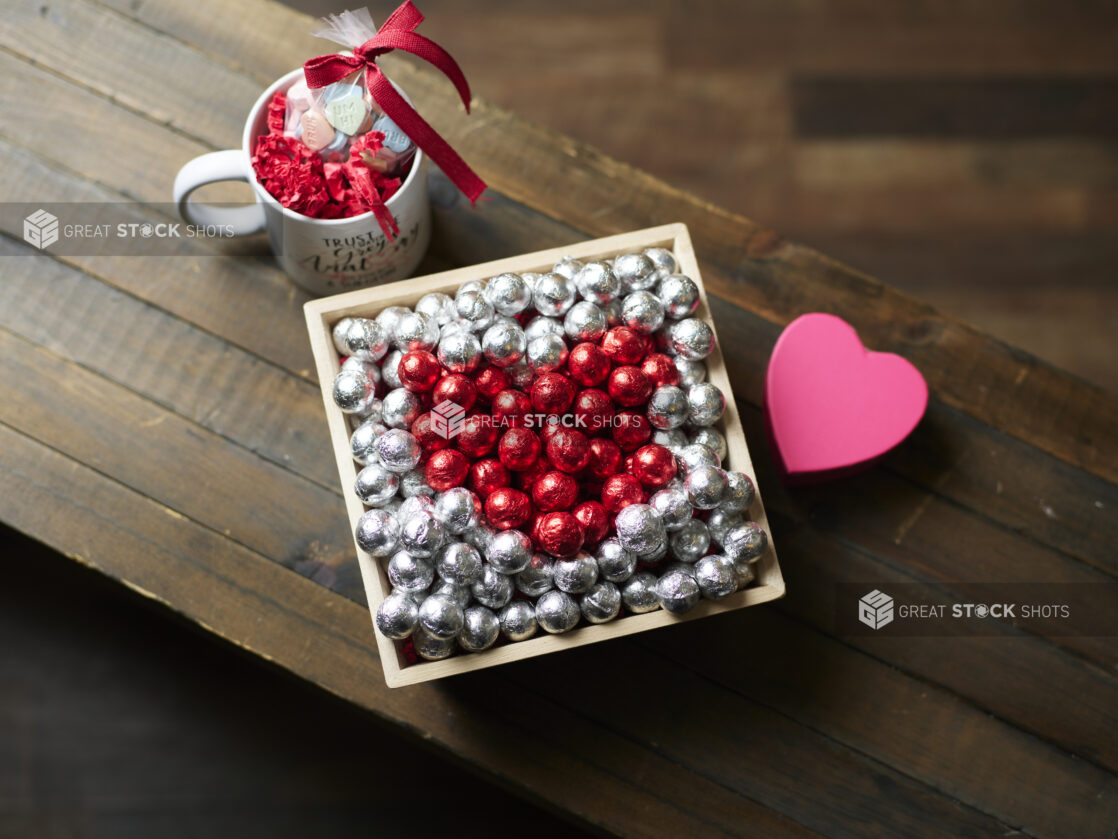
<point>160,422</point>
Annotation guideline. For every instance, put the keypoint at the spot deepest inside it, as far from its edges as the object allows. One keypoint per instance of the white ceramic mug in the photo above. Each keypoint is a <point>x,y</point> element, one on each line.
<point>324,256</point>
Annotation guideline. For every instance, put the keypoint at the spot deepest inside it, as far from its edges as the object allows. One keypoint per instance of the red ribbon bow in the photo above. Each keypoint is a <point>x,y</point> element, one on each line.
<point>398,33</point>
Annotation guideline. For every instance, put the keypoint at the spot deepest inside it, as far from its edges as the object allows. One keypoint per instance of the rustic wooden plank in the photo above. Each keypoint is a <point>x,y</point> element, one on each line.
<point>747,264</point>
<point>325,639</point>
<point>823,683</point>
<point>195,472</point>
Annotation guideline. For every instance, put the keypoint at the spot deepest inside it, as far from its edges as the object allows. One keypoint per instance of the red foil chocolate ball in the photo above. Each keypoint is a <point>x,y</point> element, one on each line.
<point>490,381</point>
<point>457,388</point>
<point>569,450</point>
<point>429,440</point>
<point>509,408</point>
<point>559,534</point>
<point>619,491</point>
<point>623,345</point>
<point>487,476</point>
<point>631,430</point>
<point>554,490</point>
<point>478,435</point>
<point>419,370</point>
<point>594,519</point>
<point>605,458</point>
<point>526,477</point>
<point>629,386</point>
<point>519,448</point>
<point>552,393</point>
<point>445,469</point>
<point>654,465</point>
<point>587,364</point>
<point>507,508</point>
<point>660,369</point>
<point>593,410</point>
<point>548,430</point>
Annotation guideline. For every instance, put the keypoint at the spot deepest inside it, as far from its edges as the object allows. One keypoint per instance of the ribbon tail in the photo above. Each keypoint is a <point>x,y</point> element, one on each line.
<point>362,181</point>
<point>424,136</point>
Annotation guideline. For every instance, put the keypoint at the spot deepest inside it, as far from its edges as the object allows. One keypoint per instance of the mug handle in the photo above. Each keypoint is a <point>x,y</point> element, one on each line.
<point>209,169</point>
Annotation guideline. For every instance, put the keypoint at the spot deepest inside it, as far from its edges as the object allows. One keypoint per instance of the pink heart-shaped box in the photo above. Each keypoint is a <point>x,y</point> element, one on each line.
<point>832,407</point>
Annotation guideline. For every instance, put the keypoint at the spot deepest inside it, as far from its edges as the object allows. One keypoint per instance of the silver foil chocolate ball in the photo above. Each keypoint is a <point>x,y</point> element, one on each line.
<point>721,522</point>
<point>494,589</point>
<point>369,368</point>
<point>390,369</point>
<point>655,554</point>
<point>639,593</point>
<point>717,576</point>
<point>672,439</point>
<point>397,615</point>
<point>680,296</point>
<point>518,620</point>
<point>692,339</point>
<point>612,311</point>
<point>458,563</point>
<point>568,267</point>
<point>362,443</point>
<point>337,334</point>
<point>668,407</point>
<point>375,485</point>
<point>690,542</point>
<point>556,611</point>
<point>706,402</point>
<point>422,535</point>
<point>597,282</point>
<point>416,504</point>
<point>365,339</point>
<point>462,595</point>
<point>352,391</point>
<point>415,331</point>
<point>479,535</point>
<point>474,309</point>
<point>509,294</point>
<point>678,590</point>
<point>663,260</point>
<point>441,616</point>
<point>480,628</point>
<point>415,483</point>
<point>639,529</point>
<point>577,574</point>
<point>602,603</point>
<point>398,451</point>
<point>547,353</point>
<point>410,573</point>
<point>429,647</point>
<point>745,574</point>
<point>706,485</point>
<point>585,322</point>
<point>460,352</point>
<point>554,295</point>
<point>642,312</point>
<point>531,278</point>
<point>377,533</point>
<point>693,456</point>
<point>711,438</point>
<point>740,493</point>
<point>458,509</point>
<point>437,305</point>
<point>540,326</point>
<point>673,507</point>
<point>635,271</point>
<point>504,344</point>
<point>746,542</point>
<point>509,551</point>
<point>538,576</point>
<point>388,318</point>
<point>690,372</point>
<point>615,564</point>
<point>399,408</point>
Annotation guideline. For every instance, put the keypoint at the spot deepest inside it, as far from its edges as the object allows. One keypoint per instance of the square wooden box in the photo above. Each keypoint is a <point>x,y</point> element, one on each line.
<point>324,313</point>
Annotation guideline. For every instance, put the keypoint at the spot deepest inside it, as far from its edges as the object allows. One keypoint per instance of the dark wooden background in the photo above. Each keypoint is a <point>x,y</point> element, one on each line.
<point>964,151</point>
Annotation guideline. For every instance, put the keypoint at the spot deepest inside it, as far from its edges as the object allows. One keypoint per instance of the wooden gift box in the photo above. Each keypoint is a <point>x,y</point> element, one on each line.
<point>324,313</point>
